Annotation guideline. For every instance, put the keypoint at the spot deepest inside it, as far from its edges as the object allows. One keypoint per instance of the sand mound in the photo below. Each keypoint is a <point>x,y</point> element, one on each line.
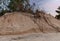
<point>21,23</point>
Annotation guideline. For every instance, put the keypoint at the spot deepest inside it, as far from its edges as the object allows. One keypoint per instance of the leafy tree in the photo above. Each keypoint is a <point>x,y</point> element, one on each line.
<point>58,11</point>
<point>13,5</point>
<point>18,5</point>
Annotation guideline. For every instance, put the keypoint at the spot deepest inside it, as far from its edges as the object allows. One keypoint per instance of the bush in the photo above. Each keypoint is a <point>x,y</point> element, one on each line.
<point>58,11</point>
<point>57,16</point>
<point>3,12</point>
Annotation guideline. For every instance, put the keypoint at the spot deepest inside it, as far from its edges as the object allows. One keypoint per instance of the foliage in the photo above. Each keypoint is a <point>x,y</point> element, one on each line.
<point>14,5</point>
<point>57,16</point>
<point>58,11</point>
<point>3,12</point>
<point>18,5</point>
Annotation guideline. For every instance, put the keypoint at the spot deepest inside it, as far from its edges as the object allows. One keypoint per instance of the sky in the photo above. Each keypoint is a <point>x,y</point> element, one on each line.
<point>48,5</point>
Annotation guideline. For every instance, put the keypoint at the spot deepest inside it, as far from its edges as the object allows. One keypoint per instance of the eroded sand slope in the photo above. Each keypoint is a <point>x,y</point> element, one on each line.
<point>23,23</point>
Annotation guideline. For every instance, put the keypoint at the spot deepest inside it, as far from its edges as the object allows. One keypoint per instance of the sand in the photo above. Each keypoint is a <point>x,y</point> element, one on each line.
<point>32,37</point>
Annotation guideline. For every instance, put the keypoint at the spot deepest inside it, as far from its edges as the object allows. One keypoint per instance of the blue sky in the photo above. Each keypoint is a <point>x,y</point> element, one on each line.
<point>48,5</point>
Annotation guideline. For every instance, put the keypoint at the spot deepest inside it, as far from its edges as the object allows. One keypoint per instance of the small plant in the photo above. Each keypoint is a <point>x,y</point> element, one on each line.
<point>57,16</point>
<point>37,14</point>
<point>3,12</point>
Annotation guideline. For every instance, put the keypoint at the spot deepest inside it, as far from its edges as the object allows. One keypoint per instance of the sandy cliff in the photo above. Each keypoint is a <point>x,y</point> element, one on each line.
<point>22,23</point>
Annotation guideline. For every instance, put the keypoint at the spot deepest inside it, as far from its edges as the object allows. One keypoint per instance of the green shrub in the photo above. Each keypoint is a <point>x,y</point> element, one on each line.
<point>58,11</point>
<point>3,12</point>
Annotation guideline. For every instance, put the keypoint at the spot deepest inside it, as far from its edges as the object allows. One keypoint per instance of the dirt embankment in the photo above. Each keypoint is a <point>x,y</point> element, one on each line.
<point>22,23</point>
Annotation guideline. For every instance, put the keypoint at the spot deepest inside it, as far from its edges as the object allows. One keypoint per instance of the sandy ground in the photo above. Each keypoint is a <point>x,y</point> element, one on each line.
<point>32,37</point>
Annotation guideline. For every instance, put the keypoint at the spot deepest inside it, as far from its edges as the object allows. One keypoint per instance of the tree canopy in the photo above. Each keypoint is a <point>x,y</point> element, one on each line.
<point>13,5</point>
<point>18,5</point>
